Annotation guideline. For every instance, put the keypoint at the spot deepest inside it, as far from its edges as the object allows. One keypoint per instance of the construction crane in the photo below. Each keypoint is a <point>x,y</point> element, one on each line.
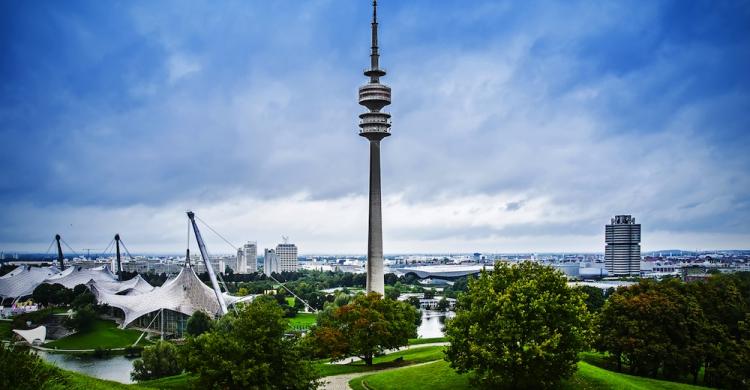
<point>88,252</point>
<point>209,268</point>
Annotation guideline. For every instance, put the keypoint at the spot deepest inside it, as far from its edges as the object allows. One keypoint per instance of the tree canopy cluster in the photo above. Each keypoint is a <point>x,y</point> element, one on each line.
<point>52,294</point>
<point>672,329</point>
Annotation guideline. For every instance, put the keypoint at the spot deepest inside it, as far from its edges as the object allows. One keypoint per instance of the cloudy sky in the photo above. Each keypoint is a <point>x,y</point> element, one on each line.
<point>517,126</point>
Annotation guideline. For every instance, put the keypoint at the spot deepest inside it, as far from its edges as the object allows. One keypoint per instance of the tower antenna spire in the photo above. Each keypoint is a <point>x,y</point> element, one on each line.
<point>374,56</point>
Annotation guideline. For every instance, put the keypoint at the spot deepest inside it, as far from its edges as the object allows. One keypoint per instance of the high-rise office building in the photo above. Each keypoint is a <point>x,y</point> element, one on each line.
<point>240,262</point>
<point>622,255</point>
<point>375,125</point>
<point>270,262</point>
<point>287,254</point>
<point>250,258</point>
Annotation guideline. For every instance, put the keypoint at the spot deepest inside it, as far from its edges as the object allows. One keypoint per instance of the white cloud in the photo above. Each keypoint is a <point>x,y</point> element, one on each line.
<point>339,225</point>
<point>258,135</point>
<point>181,66</point>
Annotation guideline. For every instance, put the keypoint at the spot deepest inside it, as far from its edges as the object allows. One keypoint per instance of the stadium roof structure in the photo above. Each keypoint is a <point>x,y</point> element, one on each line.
<point>185,294</point>
<point>134,286</point>
<point>23,280</point>
<point>76,275</point>
<point>443,271</point>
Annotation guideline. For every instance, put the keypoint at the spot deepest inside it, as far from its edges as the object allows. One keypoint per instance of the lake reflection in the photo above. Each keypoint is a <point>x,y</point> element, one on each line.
<point>114,368</point>
<point>433,323</point>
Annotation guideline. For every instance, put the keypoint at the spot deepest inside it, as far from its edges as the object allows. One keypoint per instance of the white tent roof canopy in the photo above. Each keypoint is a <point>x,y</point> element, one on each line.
<point>185,294</point>
<point>24,279</point>
<point>38,333</point>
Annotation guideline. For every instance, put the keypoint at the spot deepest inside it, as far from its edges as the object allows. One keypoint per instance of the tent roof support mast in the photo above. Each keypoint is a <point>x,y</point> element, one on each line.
<point>209,267</point>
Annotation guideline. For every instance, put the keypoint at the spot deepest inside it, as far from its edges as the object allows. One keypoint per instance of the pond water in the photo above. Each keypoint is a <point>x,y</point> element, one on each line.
<point>433,323</point>
<point>118,368</point>
<point>114,368</point>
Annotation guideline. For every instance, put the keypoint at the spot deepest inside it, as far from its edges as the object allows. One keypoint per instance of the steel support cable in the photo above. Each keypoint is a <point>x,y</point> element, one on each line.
<point>274,279</point>
<point>71,249</point>
<point>49,248</point>
<point>217,233</point>
<point>147,327</point>
<point>126,250</point>
<point>295,295</point>
<point>104,252</point>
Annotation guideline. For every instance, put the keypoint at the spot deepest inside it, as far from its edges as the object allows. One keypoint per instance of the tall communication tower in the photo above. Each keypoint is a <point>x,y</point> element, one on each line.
<point>375,125</point>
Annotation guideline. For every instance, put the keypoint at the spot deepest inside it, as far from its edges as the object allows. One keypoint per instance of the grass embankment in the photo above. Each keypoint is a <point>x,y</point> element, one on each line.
<point>428,340</point>
<point>75,381</point>
<point>598,378</point>
<point>302,321</point>
<point>408,357</point>
<point>439,375</point>
<point>105,334</point>
<point>182,381</point>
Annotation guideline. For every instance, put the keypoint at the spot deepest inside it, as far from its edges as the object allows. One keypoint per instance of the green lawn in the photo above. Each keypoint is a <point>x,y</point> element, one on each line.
<point>182,381</point>
<point>105,334</point>
<point>302,321</point>
<point>428,340</point>
<point>433,376</point>
<point>75,381</point>
<point>599,378</point>
<point>603,360</point>
<point>290,301</point>
<point>410,356</point>
<point>439,375</point>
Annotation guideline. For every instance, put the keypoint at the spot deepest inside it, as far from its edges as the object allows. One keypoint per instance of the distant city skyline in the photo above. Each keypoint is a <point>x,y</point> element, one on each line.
<point>522,127</point>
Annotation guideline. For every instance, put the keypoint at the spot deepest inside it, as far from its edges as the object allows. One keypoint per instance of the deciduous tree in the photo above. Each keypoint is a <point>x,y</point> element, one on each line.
<point>366,326</point>
<point>519,326</point>
<point>198,323</point>
<point>248,349</point>
<point>158,360</point>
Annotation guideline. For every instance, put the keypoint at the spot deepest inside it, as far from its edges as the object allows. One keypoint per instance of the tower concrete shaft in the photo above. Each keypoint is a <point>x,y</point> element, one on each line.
<point>375,277</point>
<point>375,125</point>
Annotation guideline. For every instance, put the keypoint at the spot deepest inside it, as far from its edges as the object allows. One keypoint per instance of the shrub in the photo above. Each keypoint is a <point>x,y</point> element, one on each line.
<point>157,361</point>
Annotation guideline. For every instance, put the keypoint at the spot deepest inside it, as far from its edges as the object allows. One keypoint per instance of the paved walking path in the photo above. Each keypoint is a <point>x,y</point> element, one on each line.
<point>341,382</point>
